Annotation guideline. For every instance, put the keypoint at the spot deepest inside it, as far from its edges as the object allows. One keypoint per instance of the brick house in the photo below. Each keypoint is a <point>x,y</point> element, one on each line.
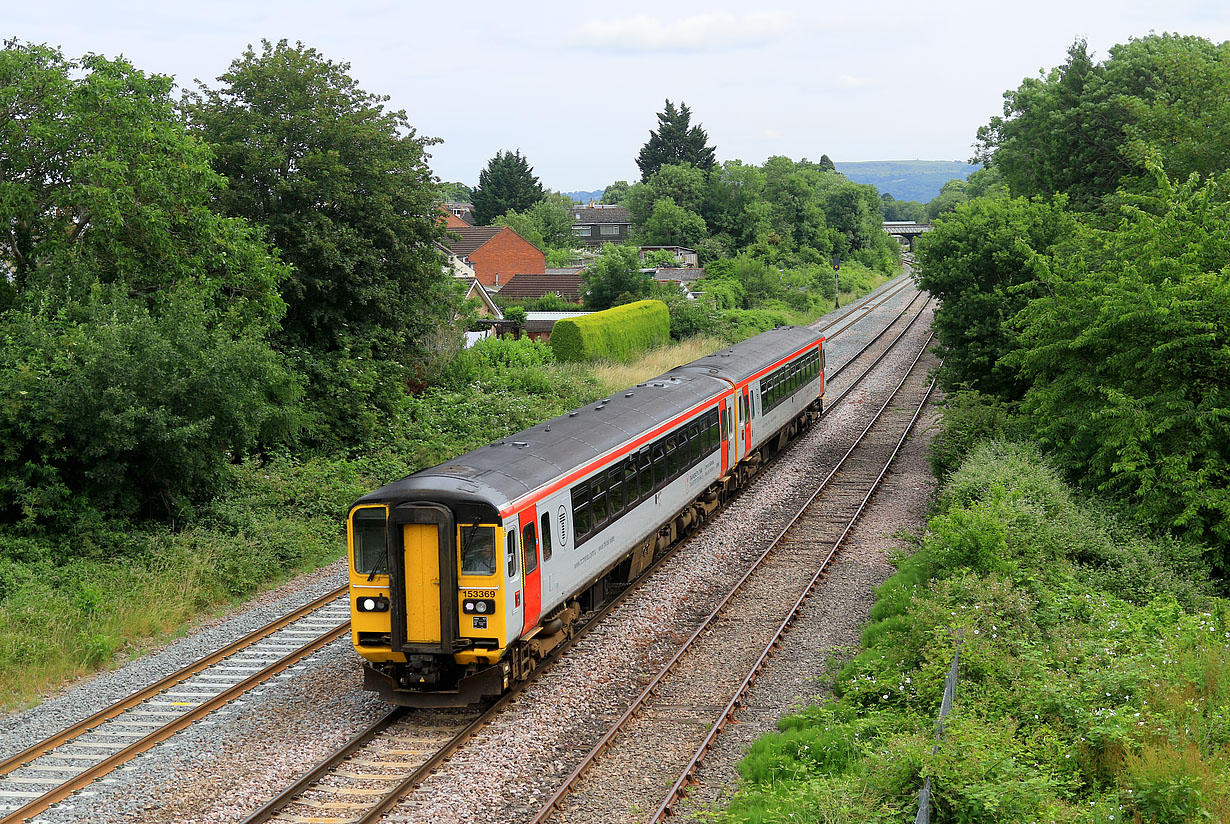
<point>494,253</point>
<point>596,225</point>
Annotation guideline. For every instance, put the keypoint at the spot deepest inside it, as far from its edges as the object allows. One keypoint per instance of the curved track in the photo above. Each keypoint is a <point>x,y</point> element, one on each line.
<point>366,777</point>
<point>754,615</point>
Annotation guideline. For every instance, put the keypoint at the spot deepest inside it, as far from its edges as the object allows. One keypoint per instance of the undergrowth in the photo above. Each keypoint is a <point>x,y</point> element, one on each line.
<point>1094,674</point>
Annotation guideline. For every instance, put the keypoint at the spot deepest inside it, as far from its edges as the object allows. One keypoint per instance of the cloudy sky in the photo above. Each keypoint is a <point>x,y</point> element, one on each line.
<point>576,86</point>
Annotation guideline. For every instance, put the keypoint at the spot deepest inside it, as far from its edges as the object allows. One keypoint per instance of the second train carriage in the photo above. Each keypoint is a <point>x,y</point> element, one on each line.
<point>464,575</point>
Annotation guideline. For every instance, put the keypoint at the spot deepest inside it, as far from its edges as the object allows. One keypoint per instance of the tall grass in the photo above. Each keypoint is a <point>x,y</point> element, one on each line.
<point>612,376</point>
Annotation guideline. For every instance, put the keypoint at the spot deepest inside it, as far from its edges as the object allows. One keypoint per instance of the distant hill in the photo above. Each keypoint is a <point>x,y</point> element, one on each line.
<point>583,197</point>
<point>919,180</point>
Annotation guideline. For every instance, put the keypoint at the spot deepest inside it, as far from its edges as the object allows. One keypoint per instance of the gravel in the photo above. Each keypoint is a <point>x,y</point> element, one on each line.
<point>222,770</point>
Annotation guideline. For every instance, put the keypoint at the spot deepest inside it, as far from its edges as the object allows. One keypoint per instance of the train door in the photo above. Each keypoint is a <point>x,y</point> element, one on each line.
<point>514,595</point>
<point>531,575</point>
<point>423,613</point>
<point>745,428</point>
<point>421,562</point>
<point>727,433</point>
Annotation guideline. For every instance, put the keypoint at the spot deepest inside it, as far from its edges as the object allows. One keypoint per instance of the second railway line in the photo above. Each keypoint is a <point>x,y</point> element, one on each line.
<point>602,680</point>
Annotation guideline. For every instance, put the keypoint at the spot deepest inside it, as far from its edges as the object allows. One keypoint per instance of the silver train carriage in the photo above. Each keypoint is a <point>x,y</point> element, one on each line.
<point>464,576</point>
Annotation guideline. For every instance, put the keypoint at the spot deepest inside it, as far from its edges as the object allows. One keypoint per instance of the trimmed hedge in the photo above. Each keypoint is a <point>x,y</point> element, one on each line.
<point>618,333</point>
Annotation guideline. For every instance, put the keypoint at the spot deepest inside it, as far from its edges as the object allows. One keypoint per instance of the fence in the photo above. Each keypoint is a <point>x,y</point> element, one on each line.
<point>950,695</point>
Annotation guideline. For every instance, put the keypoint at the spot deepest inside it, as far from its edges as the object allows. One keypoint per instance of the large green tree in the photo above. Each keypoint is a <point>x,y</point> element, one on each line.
<point>616,273</point>
<point>508,184</point>
<point>547,224</point>
<point>1127,355</point>
<point>983,262</point>
<point>1086,127</point>
<point>343,188</point>
<point>676,141</point>
<point>100,182</point>
<point>134,363</point>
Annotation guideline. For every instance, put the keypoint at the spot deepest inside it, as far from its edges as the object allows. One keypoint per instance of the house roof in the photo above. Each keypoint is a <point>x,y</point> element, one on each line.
<point>600,214</point>
<point>676,275</point>
<point>535,286</point>
<point>471,238</point>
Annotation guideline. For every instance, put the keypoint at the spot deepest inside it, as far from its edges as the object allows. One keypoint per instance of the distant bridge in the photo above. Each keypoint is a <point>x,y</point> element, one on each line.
<point>907,231</point>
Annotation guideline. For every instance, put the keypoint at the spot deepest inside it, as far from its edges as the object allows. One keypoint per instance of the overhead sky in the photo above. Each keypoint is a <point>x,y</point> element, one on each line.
<point>576,86</point>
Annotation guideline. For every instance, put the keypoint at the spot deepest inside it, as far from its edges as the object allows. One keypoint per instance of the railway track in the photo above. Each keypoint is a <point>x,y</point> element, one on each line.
<point>678,714</point>
<point>54,768</point>
<point>365,778</point>
<point>362,779</point>
<point>861,309</point>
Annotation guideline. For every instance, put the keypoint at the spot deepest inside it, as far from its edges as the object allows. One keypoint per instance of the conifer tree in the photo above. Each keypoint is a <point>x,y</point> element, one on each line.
<point>507,184</point>
<point>676,141</point>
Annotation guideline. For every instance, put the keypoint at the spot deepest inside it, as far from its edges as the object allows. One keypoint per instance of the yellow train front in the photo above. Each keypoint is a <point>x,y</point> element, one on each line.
<point>465,575</point>
<point>422,647</point>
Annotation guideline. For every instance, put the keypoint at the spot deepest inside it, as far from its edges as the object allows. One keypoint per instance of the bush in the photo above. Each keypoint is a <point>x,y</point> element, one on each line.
<point>616,334</point>
<point>1084,695</point>
<point>109,408</point>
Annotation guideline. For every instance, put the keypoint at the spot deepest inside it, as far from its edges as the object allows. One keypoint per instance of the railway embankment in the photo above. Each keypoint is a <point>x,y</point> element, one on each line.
<point>1093,673</point>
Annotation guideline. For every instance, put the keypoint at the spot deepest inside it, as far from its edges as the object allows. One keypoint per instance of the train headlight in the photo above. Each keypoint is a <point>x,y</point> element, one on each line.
<point>478,606</point>
<point>372,603</point>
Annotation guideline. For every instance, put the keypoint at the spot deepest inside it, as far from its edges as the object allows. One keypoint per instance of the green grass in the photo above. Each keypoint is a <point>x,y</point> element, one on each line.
<point>1094,676</point>
<point>70,605</point>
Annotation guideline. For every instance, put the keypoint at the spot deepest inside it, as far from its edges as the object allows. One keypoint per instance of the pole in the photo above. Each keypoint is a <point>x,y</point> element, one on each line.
<point>836,282</point>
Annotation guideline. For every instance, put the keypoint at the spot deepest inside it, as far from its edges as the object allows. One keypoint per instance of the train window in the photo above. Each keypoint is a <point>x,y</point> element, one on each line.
<point>672,457</point>
<point>697,438</point>
<point>510,552</point>
<point>644,471</point>
<point>659,465</point>
<point>598,500</point>
<point>545,532</point>
<point>370,553</point>
<point>632,481</point>
<point>581,516</point>
<point>529,548</point>
<point>615,492</point>
<point>477,549</point>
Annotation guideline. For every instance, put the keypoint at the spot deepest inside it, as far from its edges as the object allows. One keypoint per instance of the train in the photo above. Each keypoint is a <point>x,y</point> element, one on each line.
<point>465,576</point>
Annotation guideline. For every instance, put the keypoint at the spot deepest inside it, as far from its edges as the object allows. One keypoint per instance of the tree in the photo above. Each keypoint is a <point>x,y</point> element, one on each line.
<point>100,182</point>
<point>135,361</point>
<point>672,225</point>
<point>343,187</point>
<point>547,224</point>
<point>456,192</point>
<point>1127,356</point>
<point>983,262</point>
<point>1085,128</point>
<point>826,164</point>
<point>507,184</point>
<point>616,272</point>
<point>683,184</point>
<point>893,209</point>
<point>675,141</point>
<point>951,194</point>
<point>614,194</point>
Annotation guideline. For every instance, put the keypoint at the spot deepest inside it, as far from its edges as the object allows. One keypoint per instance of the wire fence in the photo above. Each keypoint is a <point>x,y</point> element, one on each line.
<point>950,696</point>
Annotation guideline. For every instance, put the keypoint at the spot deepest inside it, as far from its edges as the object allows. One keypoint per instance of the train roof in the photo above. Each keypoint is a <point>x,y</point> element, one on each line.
<point>509,469</point>
<point>741,361</point>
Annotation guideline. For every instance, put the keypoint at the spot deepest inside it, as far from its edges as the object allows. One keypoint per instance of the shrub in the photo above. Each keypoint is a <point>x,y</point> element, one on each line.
<point>615,334</point>
<point>110,408</point>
